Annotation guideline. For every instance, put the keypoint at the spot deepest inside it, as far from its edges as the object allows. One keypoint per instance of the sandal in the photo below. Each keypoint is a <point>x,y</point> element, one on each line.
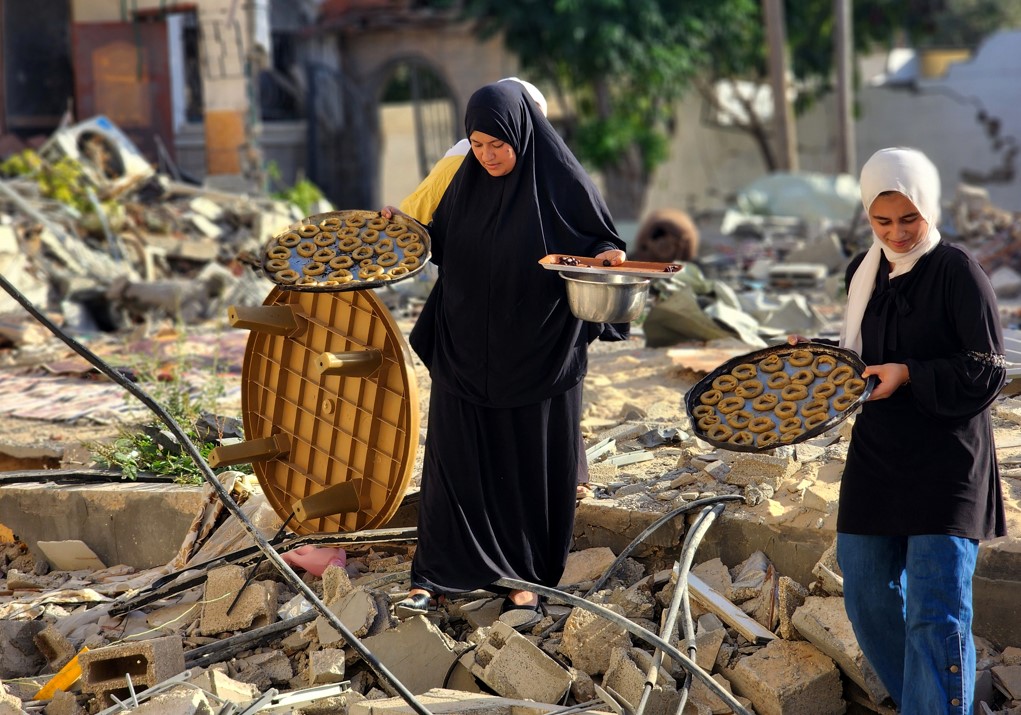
<point>416,605</point>
<point>522,617</point>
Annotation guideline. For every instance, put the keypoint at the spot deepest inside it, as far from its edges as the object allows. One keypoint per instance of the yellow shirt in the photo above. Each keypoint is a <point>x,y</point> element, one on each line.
<point>422,202</point>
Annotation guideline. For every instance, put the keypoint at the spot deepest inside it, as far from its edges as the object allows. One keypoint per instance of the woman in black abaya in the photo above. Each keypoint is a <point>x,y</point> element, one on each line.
<point>506,356</point>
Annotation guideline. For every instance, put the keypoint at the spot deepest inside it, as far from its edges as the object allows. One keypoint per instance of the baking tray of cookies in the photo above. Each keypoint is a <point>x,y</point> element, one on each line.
<point>346,250</point>
<point>779,395</point>
<point>583,264</point>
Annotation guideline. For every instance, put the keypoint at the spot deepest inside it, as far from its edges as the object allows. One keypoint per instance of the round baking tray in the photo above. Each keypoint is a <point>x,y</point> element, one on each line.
<point>298,262</point>
<point>843,357</point>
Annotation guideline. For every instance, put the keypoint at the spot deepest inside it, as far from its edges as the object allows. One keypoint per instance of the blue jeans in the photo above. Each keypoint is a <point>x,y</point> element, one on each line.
<point>909,601</point>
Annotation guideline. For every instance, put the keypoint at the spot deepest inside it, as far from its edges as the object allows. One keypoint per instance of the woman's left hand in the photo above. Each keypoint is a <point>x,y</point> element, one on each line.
<point>891,376</point>
<point>615,257</point>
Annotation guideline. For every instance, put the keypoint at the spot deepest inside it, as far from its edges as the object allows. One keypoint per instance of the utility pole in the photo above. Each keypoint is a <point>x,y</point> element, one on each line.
<point>847,160</point>
<point>783,115</point>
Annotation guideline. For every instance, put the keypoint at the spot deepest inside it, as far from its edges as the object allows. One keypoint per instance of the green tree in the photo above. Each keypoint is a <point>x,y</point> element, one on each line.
<point>618,68</point>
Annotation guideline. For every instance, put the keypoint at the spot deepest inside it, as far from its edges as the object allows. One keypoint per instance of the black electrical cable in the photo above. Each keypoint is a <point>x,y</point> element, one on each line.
<point>638,540</point>
<point>633,628</point>
<point>207,473</point>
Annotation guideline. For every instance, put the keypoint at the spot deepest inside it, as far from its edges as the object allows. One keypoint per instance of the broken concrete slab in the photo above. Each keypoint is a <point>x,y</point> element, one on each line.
<point>19,655</point>
<point>515,668</point>
<point>417,652</point>
<point>626,676</point>
<point>256,607</point>
<point>70,555</point>
<point>586,565</point>
<point>787,678</point>
<point>440,701</point>
<point>589,640</point>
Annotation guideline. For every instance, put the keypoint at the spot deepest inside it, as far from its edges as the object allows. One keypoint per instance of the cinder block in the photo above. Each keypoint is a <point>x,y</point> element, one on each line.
<point>626,677</point>
<point>514,667</point>
<point>325,666</point>
<point>746,468</point>
<point>257,606</point>
<point>105,671</point>
<point>589,639</point>
<point>788,678</point>
<point>56,649</point>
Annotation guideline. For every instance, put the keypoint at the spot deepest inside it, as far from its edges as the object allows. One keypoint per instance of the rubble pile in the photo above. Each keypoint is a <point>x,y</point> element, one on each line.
<point>993,235</point>
<point>167,640</point>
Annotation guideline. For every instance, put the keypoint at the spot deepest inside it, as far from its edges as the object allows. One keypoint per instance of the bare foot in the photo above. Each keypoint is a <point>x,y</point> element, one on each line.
<point>523,598</point>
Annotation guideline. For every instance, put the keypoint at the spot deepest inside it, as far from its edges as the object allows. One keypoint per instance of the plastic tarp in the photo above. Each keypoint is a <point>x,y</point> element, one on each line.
<point>809,196</point>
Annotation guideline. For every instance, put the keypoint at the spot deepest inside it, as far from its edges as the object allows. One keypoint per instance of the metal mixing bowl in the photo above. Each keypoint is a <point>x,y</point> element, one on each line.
<point>606,297</point>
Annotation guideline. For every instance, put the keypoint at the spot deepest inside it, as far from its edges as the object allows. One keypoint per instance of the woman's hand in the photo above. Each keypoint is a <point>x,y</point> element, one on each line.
<point>795,339</point>
<point>388,212</point>
<point>891,376</point>
<point>612,258</point>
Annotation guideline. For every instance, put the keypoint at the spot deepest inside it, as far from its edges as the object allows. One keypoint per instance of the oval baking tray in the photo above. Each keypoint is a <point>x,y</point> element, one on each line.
<point>583,264</point>
<point>346,250</point>
<point>832,415</point>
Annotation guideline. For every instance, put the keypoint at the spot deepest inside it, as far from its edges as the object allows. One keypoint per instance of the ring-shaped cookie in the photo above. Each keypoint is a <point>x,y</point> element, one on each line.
<point>340,262</point>
<point>348,232</point>
<point>305,249</point>
<point>824,365</point>
<point>771,363</point>
<point>743,438</point>
<point>765,402</point>
<point>824,390</point>
<point>366,262</point>
<point>725,383</point>
<point>341,276</point>
<point>802,377</point>
<point>384,245</point>
<point>369,273</point>
<point>289,239</point>
<point>323,240</point>
<point>730,404</point>
<point>786,409</point>
<point>801,358</point>
<point>406,238</point>
<point>324,255</point>
<point>761,424</point>
<point>361,253</point>
<point>703,410</point>
<point>739,419</point>
<point>370,235</point>
<point>393,230</point>
<point>814,407</point>
<point>378,224</point>
<point>766,439</point>
<point>307,281</point>
<point>356,221</point>
<point>287,276</point>
<point>778,380</point>
<point>789,437</point>
<point>279,252</point>
<point>790,424</point>
<point>275,265</point>
<point>704,423</point>
<point>815,420</point>
<point>331,223</point>
<point>854,385</point>
<point>794,393</point>
<point>313,269</point>
<point>414,249</point>
<point>710,397</point>
<point>744,371</point>
<point>308,230</point>
<point>719,432</point>
<point>398,271</point>
<point>749,388</point>
<point>840,402</point>
<point>387,259</point>
<point>410,262</point>
<point>841,374</point>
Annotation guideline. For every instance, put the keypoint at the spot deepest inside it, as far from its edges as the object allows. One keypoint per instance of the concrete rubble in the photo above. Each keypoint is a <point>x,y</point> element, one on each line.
<point>771,631</point>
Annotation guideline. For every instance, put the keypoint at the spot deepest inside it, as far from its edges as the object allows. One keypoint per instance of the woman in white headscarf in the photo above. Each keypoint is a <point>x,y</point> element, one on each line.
<point>920,485</point>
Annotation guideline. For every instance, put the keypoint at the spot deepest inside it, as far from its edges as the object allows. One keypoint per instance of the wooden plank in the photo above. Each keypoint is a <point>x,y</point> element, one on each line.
<point>713,600</point>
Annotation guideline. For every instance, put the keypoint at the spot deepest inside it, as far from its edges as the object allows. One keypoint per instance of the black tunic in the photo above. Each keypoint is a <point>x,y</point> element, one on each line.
<point>506,357</point>
<point>923,460</point>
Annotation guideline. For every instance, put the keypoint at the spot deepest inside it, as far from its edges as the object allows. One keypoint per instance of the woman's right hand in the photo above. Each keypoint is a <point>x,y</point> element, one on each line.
<point>388,212</point>
<point>795,339</point>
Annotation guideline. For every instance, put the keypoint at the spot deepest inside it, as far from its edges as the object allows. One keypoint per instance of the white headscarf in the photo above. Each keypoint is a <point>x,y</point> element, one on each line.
<point>908,172</point>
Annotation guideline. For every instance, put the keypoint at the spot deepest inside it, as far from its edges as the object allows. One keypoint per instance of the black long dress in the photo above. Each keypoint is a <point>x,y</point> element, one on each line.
<point>506,356</point>
<point>923,460</point>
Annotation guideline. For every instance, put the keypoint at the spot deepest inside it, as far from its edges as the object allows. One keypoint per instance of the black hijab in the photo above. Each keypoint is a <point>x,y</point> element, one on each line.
<point>497,330</point>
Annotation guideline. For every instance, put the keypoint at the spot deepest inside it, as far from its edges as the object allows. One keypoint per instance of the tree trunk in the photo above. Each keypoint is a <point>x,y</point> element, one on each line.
<point>626,185</point>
